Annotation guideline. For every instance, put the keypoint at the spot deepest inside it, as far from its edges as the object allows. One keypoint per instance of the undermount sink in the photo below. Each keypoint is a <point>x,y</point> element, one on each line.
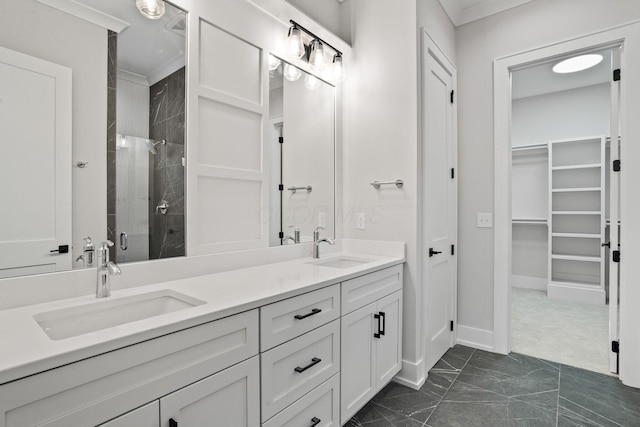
<point>74,321</point>
<point>341,262</point>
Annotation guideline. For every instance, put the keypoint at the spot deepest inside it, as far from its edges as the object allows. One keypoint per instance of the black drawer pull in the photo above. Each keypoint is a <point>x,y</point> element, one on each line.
<point>173,423</point>
<point>377,334</point>
<point>383,323</point>
<point>304,316</point>
<point>314,361</point>
<point>315,421</point>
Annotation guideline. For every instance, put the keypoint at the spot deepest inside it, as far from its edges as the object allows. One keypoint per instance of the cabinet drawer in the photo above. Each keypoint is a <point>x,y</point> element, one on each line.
<point>295,368</point>
<point>285,320</point>
<point>366,289</point>
<point>320,408</point>
<point>92,391</point>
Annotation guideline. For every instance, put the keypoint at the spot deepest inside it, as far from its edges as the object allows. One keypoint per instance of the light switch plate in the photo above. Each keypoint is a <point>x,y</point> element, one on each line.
<point>322,219</point>
<point>485,220</point>
<point>361,221</point>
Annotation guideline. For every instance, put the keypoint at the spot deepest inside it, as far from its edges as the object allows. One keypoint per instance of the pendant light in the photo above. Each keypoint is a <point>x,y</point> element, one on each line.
<point>338,68</point>
<point>295,46</point>
<point>291,73</point>
<point>152,9</point>
<point>316,57</point>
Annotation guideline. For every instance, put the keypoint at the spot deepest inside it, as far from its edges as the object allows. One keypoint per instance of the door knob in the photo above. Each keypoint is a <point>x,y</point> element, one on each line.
<point>432,252</point>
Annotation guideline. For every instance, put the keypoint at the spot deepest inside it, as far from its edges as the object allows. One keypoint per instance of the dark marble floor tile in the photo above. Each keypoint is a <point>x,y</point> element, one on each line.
<point>454,359</point>
<point>438,383</point>
<point>603,395</point>
<point>374,415</point>
<point>407,402</point>
<point>525,414</point>
<point>567,418</point>
<point>465,414</point>
<point>586,415</point>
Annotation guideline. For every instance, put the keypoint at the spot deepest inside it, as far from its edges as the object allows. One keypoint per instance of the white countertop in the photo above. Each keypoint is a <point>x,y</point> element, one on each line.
<point>26,349</point>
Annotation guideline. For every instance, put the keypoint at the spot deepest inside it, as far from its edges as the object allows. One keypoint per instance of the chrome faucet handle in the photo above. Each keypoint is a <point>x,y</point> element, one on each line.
<point>320,227</point>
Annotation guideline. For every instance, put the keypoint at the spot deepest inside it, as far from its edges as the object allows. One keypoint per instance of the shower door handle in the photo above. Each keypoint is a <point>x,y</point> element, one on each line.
<point>124,241</point>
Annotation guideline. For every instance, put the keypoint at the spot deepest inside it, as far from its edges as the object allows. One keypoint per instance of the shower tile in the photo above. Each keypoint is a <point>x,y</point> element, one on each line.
<point>112,55</point>
<point>175,129</point>
<point>111,182</point>
<point>158,102</point>
<point>176,94</point>
<point>174,237</point>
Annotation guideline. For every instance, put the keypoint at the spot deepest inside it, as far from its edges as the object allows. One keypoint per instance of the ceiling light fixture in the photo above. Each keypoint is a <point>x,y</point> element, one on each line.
<point>577,63</point>
<point>152,9</point>
<point>314,53</point>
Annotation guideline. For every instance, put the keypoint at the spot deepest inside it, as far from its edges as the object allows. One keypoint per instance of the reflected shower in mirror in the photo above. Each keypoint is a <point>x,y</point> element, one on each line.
<point>302,118</point>
<point>145,207</point>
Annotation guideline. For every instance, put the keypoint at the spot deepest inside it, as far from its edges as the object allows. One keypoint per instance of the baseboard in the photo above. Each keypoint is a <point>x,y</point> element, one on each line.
<point>576,293</point>
<point>411,375</point>
<point>481,339</point>
<point>527,282</point>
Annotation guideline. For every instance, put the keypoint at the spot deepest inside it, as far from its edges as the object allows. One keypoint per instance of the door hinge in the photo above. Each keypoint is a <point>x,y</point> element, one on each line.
<point>615,346</point>
<point>281,140</point>
<point>280,187</point>
<point>453,249</point>
<point>616,165</point>
<point>281,234</point>
<point>451,326</point>
<point>615,256</point>
<point>452,97</point>
<point>616,75</point>
<point>453,173</point>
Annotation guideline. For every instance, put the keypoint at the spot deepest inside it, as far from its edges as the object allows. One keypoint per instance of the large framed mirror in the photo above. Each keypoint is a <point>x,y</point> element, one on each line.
<point>302,127</point>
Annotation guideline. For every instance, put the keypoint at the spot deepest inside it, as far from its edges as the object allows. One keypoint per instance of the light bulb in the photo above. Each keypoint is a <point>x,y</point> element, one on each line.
<point>152,9</point>
<point>338,68</point>
<point>274,63</point>
<point>291,73</point>
<point>296,47</point>
<point>311,82</point>
<point>316,58</point>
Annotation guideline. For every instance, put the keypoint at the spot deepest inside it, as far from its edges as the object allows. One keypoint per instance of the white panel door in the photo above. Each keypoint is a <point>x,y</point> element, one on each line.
<point>228,398</point>
<point>35,166</point>
<point>438,200</point>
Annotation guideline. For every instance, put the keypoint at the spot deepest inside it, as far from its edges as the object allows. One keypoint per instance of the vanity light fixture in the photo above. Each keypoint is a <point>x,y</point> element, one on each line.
<point>311,82</point>
<point>274,63</point>
<point>577,63</point>
<point>152,9</point>
<point>314,52</point>
<point>291,73</point>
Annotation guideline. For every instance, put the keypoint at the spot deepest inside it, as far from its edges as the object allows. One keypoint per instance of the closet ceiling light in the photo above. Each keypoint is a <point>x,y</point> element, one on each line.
<point>577,63</point>
<point>152,9</point>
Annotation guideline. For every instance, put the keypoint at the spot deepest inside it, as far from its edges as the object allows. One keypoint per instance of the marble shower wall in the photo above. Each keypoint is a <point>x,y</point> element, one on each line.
<point>166,173</point>
<point>112,53</point>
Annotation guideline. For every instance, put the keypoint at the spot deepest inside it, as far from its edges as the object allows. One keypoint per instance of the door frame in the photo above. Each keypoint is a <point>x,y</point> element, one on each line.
<point>429,44</point>
<point>628,36</point>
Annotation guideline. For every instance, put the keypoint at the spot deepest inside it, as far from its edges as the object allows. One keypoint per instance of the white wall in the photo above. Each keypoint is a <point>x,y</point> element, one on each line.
<point>478,44</point>
<point>432,16</point>
<point>329,13</point>
<point>37,30</point>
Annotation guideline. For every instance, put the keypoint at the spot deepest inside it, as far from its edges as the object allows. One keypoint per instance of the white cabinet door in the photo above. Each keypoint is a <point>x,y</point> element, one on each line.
<point>228,398</point>
<point>357,380</point>
<point>145,416</point>
<point>389,345</point>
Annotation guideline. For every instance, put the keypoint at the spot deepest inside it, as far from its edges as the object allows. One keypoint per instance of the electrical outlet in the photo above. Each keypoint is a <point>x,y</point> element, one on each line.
<point>322,219</point>
<point>485,220</point>
<point>361,221</point>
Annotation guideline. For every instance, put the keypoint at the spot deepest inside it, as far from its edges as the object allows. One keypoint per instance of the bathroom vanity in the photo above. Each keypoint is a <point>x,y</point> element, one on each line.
<point>302,342</point>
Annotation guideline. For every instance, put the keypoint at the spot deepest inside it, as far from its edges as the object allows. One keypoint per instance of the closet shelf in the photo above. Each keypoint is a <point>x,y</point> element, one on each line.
<point>577,235</point>
<point>541,221</point>
<point>575,190</point>
<point>576,258</point>
<point>568,283</point>
<point>576,213</point>
<point>572,167</point>
<point>529,147</point>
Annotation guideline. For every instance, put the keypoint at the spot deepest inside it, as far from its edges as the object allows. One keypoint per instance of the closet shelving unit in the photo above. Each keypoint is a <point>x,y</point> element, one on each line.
<point>528,154</point>
<point>577,219</point>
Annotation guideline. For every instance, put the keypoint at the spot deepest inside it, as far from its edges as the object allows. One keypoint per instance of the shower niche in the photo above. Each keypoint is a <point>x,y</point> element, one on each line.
<point>146,138</point>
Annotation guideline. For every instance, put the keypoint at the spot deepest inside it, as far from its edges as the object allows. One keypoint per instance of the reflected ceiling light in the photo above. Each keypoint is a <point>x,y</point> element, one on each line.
<point>152,9</point>
<point>295,47</point>
<point>291,73</point>
<point>315,50</point>
<point>274,63</point>
<point>311,82</point>
<point>577,63</point>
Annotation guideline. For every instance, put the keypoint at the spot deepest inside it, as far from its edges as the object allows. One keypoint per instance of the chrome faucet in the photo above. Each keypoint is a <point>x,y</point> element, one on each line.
<point>106,269</point>
<point>296,235</point>
<point>317,240</point>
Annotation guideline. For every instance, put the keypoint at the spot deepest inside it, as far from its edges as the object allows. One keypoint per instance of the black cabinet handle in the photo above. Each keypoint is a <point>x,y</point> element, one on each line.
<point>377,334</point>
<point>314,361</point>
<point>382,316</point>
<point>432,252</point>
<point>173,423</point>
<point>62,249</point>
<point>304,316</point>
<point>315,421</point>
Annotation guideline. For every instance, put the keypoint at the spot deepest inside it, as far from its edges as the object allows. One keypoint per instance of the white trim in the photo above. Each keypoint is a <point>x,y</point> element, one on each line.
<point>526,282</point>
<point>412,375</point>
<point>482,339</point>
<point>460,16</point>
<point>87,13</point>
<point>132,77</point>
<point>577,293</point>
<point>166,69</point>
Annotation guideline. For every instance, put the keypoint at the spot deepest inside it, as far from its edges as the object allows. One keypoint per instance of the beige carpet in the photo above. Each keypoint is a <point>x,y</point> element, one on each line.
<point>567,332</point>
